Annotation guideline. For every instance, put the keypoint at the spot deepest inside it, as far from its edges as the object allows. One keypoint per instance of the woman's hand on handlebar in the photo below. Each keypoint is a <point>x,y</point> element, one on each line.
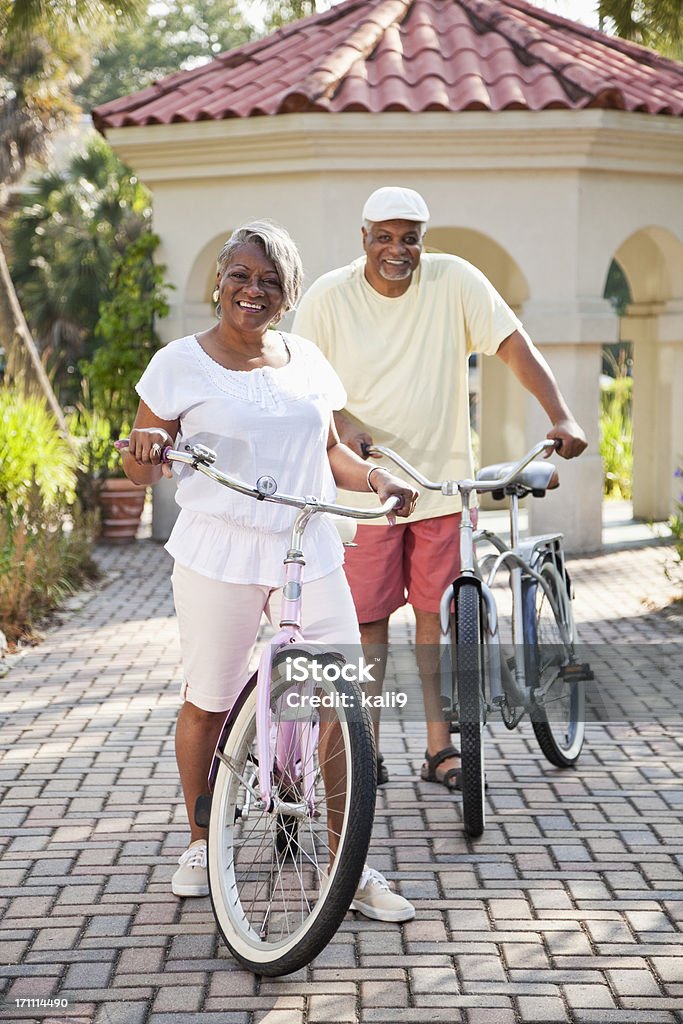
<point>146,446</point>
<point>386,485</point>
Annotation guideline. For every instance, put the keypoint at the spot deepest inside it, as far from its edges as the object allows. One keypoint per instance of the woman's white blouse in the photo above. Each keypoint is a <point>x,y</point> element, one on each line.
<point>266,421</point>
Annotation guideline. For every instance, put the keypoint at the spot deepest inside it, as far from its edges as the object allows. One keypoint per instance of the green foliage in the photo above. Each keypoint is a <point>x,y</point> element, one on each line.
<point>654,23</point>
<point>33,454</point>
<point>616,432</point>
<point>26,17</point>
<point>178,34</point>
<point>44,51</point>
<point>126,333</point>
<point>97,457</point>
<point>45,540</point>
<point>65,238</point>
<point>280,12</point>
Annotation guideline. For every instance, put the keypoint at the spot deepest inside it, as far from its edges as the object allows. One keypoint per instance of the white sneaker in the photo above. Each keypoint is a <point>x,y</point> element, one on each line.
<point>191,878</point>
<point>375,899</point>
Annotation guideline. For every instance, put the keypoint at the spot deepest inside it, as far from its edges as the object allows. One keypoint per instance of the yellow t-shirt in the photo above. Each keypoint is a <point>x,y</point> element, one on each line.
<point>403,361</point>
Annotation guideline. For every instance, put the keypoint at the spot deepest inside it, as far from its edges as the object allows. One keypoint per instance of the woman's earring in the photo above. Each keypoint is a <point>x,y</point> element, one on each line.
<point>215,297</point>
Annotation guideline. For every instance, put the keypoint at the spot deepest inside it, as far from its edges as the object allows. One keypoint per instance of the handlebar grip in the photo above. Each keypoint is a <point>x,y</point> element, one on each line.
<point>122,443</point>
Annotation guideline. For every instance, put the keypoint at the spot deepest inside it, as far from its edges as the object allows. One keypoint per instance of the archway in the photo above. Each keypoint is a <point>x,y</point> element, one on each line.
<point>198,307</point>
<point>652,261</point>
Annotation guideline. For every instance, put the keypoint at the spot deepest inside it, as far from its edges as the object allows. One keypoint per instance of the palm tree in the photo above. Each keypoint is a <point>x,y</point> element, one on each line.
<point>40,42</point>
<point>65,237</point>
<point>654,23</point>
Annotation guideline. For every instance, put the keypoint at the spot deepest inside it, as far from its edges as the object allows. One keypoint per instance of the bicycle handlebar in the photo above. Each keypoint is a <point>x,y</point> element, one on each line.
<point>202,458</point>
<point>450,487</point>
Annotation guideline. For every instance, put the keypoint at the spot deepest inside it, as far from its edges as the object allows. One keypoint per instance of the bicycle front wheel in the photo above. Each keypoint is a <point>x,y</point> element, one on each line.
<point>470,685</point>
<point>558,710</point>
<point>282,877</point>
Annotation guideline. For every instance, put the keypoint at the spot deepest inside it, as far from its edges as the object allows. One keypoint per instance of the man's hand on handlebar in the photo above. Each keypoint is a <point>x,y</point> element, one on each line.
<point>359,444</point>
<point>571,437</point>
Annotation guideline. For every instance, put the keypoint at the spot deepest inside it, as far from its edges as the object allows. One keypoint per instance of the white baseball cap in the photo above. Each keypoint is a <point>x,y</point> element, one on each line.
<point>395,203</point>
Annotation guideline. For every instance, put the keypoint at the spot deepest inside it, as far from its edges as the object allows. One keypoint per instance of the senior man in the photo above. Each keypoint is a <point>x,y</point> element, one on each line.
<point>398,326</point>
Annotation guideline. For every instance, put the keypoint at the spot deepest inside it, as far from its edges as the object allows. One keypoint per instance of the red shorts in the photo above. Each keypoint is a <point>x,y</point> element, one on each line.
<point>409,563</point>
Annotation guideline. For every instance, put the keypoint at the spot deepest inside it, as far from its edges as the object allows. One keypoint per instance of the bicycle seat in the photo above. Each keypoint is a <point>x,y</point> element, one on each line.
<point>537,478</point>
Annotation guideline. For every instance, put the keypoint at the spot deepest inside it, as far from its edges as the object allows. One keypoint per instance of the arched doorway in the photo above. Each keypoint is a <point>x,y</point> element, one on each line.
<point>652,261</point>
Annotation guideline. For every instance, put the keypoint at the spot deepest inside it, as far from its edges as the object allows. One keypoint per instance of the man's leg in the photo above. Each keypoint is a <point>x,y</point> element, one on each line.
<point>427,634</point>
<point>374,570</point>
<point>433,562</point>
<point>375,637</point>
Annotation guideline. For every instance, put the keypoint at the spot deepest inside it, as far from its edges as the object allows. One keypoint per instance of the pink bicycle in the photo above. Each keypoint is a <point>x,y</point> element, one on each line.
<point>293,780</point>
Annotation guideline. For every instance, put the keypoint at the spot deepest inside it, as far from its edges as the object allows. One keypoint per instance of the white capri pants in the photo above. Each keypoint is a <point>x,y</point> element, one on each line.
<point>219,624</point>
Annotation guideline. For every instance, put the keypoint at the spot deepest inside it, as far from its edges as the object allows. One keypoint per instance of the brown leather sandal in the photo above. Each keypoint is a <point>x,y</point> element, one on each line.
<point>450,779</point>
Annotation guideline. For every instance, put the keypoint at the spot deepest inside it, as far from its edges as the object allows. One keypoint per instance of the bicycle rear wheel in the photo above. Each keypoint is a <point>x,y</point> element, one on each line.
<point>471,710</point>
<point>276,901</point>
<point>558,711</point>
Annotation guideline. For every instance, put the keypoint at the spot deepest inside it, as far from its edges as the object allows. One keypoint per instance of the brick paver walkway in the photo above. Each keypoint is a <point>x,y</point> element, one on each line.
<point>569,908</point>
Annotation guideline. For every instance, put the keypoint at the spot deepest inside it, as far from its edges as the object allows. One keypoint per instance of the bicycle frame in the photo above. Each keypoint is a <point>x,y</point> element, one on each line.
<point>519,557</point>
<point>296,742</point>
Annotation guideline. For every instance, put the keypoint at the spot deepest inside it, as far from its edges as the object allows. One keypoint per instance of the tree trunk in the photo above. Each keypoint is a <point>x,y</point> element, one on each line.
<point>23,357</point>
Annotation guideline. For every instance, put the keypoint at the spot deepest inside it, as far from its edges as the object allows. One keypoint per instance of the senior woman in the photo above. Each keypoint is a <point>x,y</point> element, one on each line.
<point>263,400</point>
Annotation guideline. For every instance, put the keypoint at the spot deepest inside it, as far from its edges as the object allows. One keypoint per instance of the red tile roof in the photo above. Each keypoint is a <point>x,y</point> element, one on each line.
<point>413,55</point>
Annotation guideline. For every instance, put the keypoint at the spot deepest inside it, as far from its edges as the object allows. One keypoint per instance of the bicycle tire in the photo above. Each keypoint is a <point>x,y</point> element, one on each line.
<point>558,708</point>
<point>274,901</point>
<point>471,713</point>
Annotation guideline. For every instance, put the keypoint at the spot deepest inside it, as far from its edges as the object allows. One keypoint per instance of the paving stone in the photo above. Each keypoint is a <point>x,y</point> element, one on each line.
<point>582,996</point>
<point>502,1015</point>
<point>329,1009</point>
<point>548,1009</point>
<point>178,999</point>
<point>122,1013</point>
<point>633,983</point>
<point>383,993</point>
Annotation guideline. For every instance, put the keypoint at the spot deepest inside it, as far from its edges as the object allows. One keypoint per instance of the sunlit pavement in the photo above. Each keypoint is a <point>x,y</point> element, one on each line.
<point>569,908</point>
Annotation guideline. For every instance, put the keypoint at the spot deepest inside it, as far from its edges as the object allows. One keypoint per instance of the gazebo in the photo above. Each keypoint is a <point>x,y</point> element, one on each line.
<point>544,148</point>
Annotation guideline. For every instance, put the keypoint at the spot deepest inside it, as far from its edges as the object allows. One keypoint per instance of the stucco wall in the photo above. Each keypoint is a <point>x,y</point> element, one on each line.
<point>542,202</point>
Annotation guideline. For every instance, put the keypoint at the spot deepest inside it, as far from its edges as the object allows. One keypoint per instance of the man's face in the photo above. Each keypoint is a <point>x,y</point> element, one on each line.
<point>393,249</point>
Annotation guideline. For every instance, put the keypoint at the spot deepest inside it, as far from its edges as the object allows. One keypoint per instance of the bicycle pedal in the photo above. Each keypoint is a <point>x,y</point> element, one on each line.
<point>202,810</point>
<point>578,672</point>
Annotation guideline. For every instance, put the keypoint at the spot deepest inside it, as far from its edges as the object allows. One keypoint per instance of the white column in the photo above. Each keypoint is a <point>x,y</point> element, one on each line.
<point>656,331</point>
<point>571,336</point>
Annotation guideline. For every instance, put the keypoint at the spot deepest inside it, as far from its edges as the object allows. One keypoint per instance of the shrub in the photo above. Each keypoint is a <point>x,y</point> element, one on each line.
<point>32,451</point>
<point>616,436</point>
<point>45,539</point>
<point>45,554</point>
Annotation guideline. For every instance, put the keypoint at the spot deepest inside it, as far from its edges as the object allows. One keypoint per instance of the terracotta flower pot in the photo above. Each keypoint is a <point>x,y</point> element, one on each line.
<point>121,504</point>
